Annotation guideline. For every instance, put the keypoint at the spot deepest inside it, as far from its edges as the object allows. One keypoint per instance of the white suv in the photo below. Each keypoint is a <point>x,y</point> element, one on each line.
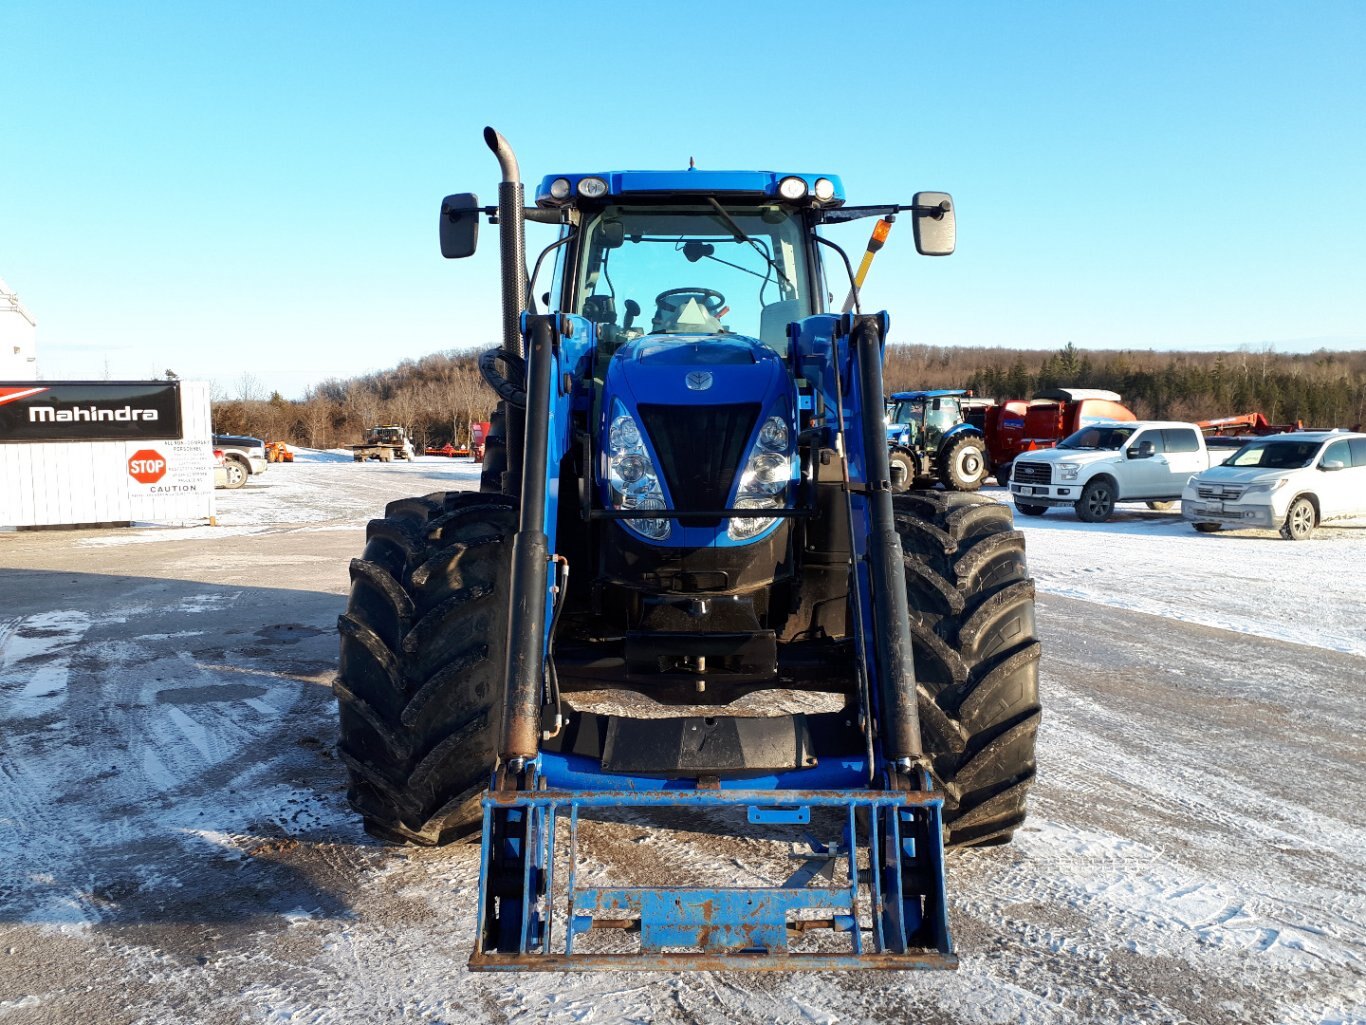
<point>1291,481</point>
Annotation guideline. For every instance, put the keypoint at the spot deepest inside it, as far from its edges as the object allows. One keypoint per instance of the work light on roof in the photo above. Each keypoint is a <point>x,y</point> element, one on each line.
<point>825,189</point>
<point>592,188</point>
<point>559,188</point>
<point>792,188</point>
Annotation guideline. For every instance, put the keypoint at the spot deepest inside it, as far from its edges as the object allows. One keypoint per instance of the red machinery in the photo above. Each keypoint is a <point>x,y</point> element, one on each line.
<point>1017,426</point>
<point>479,430</point>
<point>1246,423</point>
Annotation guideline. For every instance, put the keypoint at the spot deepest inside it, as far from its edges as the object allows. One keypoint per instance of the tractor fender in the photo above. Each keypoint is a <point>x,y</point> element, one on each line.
<point>961,431</point>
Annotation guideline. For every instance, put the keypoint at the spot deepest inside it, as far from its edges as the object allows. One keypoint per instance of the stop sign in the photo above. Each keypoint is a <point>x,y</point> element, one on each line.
<point>147,466</point>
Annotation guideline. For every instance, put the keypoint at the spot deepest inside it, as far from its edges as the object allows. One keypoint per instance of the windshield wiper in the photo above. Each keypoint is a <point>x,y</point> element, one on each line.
<point>740,236</point>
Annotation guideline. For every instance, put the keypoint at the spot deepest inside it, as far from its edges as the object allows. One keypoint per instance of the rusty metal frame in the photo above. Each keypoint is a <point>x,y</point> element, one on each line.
<point>897,832</point>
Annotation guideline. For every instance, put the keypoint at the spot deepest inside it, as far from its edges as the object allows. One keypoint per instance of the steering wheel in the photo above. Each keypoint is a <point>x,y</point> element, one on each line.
<point>712,300</point>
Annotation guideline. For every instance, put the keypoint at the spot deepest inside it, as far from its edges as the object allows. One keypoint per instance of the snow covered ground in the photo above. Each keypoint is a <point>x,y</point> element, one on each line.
<point>175,844</point>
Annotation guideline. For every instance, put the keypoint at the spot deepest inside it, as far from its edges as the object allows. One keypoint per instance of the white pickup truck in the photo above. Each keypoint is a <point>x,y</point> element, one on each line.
<point>1112,461</point>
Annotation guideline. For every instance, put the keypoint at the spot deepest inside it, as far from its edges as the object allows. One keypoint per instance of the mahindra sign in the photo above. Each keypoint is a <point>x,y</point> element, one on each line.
<point>89,411</point>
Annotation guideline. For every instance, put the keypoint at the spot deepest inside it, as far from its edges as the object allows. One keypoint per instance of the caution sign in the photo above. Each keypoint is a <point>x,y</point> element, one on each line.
<point>171,469</point>
<point>89,411</point>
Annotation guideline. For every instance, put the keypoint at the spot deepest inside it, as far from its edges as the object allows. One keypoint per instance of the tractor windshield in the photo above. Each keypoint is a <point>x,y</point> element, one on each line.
<point>689,271</point>
<point>936,414</point>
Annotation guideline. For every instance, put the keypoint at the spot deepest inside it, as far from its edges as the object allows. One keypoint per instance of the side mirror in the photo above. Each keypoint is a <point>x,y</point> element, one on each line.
<point>613,233</point>
<point>1143,450</point>
<point>1332,464</point>
<point>935,232</point>
<point>459,225</point>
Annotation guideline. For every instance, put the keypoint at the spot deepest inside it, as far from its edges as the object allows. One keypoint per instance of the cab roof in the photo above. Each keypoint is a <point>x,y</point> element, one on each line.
<point>629,185</point>
<point>902,396</point>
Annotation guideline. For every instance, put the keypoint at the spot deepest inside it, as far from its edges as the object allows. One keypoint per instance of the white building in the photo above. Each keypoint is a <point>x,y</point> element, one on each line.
<point>18,355</point>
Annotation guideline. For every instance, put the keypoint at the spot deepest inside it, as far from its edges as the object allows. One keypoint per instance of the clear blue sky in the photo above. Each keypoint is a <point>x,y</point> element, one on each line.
<point>253,187</point>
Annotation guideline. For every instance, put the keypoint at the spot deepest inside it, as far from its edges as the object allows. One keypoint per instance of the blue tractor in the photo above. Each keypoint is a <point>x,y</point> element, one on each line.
<point>759,640</point>
<point>929,440</point>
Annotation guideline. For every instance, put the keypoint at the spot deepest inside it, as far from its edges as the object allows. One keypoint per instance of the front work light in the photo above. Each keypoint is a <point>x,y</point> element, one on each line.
<point>792,188</point>
<point>592,188</point>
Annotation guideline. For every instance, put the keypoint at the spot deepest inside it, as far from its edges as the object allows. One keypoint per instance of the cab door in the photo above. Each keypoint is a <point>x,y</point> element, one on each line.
<point>1335,487</point>
<point>1145,476</point>
<point>1184,456</point>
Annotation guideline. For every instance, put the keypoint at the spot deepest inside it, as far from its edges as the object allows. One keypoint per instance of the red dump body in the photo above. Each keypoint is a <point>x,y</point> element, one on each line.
<point>1018,426</point>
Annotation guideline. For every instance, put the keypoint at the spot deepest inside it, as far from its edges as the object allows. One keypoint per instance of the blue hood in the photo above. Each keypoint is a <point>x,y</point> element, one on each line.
<point>666,369</point>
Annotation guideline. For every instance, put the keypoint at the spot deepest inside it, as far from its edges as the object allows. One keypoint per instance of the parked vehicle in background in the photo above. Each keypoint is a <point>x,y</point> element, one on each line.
<point>278,452</point>
<point>385,442</point>
<point>1016,426</point>
<point>1291,482</point>
<point>929,439</point>
<point>246,451</point>
<point>227,473</point>
<point>1115,461</point>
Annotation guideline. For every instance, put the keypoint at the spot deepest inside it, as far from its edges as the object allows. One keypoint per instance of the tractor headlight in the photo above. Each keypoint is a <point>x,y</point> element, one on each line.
<point>1068,471</point>
<point>792,188</point>
<point>559,188</point>
<point>631,476</point>
<point>592,188</point>
<point>825,189</point>
<point>763,484</point>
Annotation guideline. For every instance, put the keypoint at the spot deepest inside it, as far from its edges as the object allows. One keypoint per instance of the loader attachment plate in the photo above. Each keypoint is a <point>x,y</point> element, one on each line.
<point>870,896</point>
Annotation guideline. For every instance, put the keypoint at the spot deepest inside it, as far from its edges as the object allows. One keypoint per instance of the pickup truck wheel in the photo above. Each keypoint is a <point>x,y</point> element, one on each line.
<point>898,458</point>
<point>1031,510</point>
<point>1299,521</point>
<point>1208,528</point>
<point>236,475</point>
<point>1097,501</point>
<point>495,462</point>
<point>420,688</point>
<point>963,467</point>
<point>976,654</point>
<point>1161,506</point>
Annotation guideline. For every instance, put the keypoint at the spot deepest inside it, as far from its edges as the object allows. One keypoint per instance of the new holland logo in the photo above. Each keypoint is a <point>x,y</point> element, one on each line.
<point>699,380</point>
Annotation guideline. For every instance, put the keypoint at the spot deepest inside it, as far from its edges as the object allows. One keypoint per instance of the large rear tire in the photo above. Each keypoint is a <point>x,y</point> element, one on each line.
<point>421,688</point>
<point>963,465</point>
<point>976,658</point>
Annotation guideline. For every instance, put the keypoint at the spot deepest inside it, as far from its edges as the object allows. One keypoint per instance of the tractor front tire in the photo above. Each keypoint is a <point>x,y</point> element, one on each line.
<point>963,465</point>
<point>420,688</point>
<point>900,458</point>
<point>976,654</point>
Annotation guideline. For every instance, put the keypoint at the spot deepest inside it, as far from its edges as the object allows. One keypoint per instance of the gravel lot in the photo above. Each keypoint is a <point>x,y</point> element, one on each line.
<point>177,846</point>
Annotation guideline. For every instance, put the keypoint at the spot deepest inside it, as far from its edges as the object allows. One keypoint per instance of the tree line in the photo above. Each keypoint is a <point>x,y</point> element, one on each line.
<point>438,396</point>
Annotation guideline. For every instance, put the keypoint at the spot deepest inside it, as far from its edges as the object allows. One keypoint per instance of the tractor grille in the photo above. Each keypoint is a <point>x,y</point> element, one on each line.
<point>700,449</point>
<point>1031,473</point>
<point>1225,492</point>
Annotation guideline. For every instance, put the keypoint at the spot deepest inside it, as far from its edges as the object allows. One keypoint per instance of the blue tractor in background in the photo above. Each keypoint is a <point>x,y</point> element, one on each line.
<point>930,440</point>
<point>759,639</point>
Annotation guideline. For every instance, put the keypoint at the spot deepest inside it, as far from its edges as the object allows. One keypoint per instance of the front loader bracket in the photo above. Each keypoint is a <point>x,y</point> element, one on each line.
<point>874,893</point>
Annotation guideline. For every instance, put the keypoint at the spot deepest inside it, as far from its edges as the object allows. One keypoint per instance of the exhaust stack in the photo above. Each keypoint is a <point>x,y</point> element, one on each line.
<point>511,242</point>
